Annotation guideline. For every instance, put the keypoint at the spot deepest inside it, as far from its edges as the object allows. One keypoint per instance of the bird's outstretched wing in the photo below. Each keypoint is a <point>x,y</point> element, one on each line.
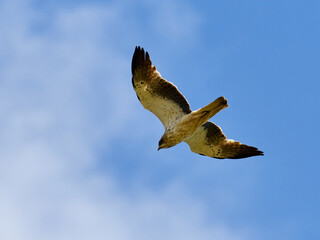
<point>209,140</point>
<point>155,93</point>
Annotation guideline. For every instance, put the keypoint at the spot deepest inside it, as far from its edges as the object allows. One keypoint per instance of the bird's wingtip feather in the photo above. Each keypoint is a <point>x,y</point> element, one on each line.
<point>140,57</point>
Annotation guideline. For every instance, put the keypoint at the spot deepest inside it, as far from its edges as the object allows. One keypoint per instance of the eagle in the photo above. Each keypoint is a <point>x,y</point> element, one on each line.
<point>181,124</point>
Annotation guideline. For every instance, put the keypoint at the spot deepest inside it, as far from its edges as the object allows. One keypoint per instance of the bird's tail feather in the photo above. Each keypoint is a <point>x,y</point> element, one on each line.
<point>213,108</point>
<point>202,115</point>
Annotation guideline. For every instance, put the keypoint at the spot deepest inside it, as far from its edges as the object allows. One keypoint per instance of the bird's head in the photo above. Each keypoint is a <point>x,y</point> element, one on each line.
<point>163,143</point>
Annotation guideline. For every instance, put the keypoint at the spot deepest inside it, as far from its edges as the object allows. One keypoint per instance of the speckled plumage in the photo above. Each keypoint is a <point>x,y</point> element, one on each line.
<point>181,124</point>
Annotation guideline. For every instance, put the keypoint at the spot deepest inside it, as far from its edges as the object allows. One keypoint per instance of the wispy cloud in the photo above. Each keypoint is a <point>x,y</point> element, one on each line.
<point>174,21</point>
<point>62,91</point>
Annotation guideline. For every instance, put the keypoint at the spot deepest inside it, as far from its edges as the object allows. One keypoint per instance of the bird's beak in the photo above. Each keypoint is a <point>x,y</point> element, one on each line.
<point>159,148</point>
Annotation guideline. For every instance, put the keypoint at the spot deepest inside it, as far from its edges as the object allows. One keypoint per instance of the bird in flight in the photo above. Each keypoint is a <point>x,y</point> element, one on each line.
<point>181,124</point>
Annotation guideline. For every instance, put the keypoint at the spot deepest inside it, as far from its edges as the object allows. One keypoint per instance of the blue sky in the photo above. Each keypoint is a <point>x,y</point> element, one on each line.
<point>78,152</point>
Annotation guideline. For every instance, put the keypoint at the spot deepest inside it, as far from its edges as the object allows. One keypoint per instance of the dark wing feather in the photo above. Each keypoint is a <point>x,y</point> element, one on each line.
<point>209,140</point>
<point>155,93</point>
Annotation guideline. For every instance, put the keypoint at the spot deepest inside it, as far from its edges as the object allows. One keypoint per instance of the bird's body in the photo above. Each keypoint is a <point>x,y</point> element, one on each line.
<point>188,124</point>
<point>181,124</point>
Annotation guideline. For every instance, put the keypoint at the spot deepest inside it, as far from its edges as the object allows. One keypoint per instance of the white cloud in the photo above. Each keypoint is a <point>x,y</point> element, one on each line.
<point>51,98</point>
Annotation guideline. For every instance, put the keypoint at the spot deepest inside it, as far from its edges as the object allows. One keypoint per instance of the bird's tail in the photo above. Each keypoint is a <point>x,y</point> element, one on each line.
<point>213,108</point>
<point>202,115</point>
